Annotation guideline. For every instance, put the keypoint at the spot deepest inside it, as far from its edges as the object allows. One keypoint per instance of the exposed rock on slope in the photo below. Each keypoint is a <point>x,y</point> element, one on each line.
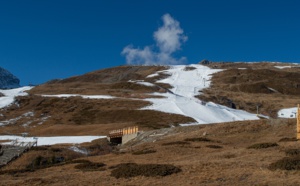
<point>8,80</point>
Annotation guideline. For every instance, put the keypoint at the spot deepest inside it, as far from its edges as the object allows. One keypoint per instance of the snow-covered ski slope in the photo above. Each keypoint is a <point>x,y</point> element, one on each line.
<point>186,85</point>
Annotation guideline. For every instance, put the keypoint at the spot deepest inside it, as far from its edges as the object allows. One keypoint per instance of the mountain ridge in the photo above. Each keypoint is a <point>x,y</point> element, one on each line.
<point>8,80</point>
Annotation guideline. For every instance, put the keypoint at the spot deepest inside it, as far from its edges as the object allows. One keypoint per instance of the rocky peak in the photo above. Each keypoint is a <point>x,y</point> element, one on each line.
<point>8,80</point>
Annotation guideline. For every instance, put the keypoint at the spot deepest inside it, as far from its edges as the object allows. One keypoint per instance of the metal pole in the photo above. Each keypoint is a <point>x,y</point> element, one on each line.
<point>298,122</point>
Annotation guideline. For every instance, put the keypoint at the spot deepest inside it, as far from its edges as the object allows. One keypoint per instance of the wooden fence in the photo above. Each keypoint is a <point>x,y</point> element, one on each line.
<point>121,132</point>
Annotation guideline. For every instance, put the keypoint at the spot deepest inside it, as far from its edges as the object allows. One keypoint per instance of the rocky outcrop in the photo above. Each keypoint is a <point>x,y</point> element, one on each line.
<point>8,80</point>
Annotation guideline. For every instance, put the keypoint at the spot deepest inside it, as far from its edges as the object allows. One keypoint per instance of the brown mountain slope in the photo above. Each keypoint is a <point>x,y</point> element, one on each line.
<point>243,86</point>
<point>112,81</point>
<point>247,85</point>
<point>39,115</point>
<point>262,152</point>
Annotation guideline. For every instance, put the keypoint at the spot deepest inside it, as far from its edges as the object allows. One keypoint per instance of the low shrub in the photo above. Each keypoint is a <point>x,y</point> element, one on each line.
<point>56,150</point>
<point>15,171</point>
<point>79,161</point>
<point>229,156</point>
<point>287,139</point>
<point>287,163</point>
<point>214,146</point>
<point>292,152</point>
<point>90,166</point>
<point>176,143</point>
<point>43,162</point>
<point>127,170</point>
<point>201,139</point>
<point>39,148</point>
<point>145,151</point>
<point>262,145</point>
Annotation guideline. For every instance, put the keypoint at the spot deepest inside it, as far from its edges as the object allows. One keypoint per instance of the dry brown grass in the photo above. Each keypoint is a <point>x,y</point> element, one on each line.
<point>69,116</point>
<point>247,88</point>
<point>90,166</point>
<point>78,116</point>
<point>111,81</point>
<point>195,150</point>
<point>231,165</point>
<point>144,151</point>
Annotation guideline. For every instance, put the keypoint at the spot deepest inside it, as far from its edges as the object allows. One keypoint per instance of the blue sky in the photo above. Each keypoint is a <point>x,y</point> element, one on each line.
<point>44,40</point>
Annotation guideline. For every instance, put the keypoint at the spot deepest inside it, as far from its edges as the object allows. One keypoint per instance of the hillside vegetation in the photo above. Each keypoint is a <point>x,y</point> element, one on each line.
<point>259,152</point>
<point>247,86</point>
<point>239,85</point>
<point>248,152</point>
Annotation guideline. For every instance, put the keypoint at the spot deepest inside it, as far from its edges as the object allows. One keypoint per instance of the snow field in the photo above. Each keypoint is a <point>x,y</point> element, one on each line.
<point>282,67</point>
<point>9,95</point>
<point>180,100</point>
<point>186,85</point>
<point>52,140</point>
<point>82,96</point>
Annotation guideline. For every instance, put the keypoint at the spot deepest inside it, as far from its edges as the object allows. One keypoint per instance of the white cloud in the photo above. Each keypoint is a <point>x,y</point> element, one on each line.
<point>169,38</point>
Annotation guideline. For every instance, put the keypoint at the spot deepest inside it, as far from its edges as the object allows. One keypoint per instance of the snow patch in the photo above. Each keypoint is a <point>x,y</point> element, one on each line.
<point>14,120</point>
<point>78,95</point>
<point>78,150</point>
<point>43,119</point>
<point>9,95</point>
<point>282,67</point>
<point>273,90</point>
<point>152,75</point>
<point>142,82</point>
<point>52,140</point>
<point>287,113</point>
<point>27,124</point>
<point>181,98</point>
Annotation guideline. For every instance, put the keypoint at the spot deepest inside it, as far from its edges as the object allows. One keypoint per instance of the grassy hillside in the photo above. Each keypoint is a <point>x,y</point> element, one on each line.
<point>262,152</point>
<point>255,84</point>
<point>248,153</point>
